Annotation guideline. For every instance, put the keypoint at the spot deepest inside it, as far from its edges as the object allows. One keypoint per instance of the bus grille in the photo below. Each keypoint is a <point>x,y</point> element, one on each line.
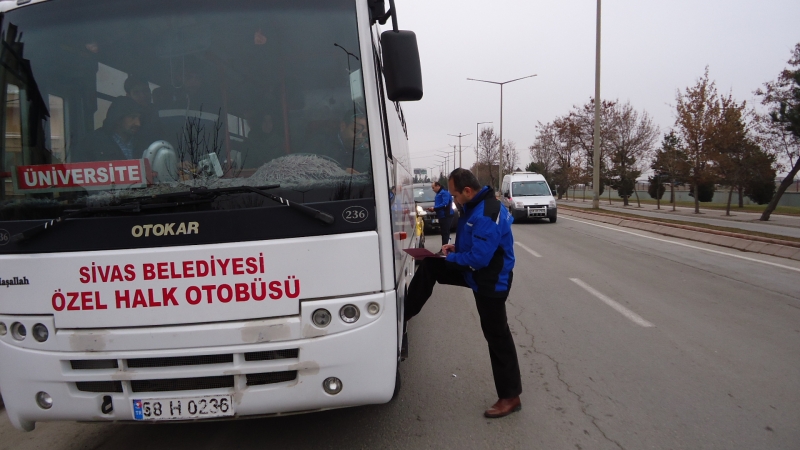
<point>258,379</point>
<point>140,363</point>
<point>177,361</point>
<point>273,354</point>
<point>99,386</point>
<point>93,364</point>
<point>182,384</point>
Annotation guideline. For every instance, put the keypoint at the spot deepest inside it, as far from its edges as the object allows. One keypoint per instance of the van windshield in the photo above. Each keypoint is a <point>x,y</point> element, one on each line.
<point>529,188</point>
<point>112,100</point>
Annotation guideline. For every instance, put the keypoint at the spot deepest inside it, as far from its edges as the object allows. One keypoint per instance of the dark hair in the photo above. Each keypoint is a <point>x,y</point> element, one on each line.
<point>134,80</point>
<point>120,107</point>
<point>463,178</point>
<point>436,183</point>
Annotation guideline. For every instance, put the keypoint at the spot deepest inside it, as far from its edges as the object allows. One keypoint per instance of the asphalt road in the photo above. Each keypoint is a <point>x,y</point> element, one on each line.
<point>626,340</point>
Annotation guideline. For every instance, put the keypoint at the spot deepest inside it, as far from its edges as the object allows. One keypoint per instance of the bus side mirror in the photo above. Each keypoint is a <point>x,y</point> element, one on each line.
<point>401,67</point>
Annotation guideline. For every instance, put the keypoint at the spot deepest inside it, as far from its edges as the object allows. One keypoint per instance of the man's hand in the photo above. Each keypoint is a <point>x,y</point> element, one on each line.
<point>448,248</point>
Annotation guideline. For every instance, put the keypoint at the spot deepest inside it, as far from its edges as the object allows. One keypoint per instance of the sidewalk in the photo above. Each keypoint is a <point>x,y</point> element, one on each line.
<point>777,225</point>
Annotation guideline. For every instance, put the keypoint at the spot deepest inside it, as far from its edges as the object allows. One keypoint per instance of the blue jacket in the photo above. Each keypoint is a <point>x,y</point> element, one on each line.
<point>443,205</point>
<point>485,245</point>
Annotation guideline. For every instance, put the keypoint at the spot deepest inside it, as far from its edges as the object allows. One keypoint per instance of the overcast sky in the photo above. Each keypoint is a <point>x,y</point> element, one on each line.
<point>650,50</point>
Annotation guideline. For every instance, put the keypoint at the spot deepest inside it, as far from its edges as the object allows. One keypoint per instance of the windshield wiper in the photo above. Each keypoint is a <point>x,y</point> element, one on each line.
<point>196,196</point>
<point>50,224</point>
<point>208,194</point>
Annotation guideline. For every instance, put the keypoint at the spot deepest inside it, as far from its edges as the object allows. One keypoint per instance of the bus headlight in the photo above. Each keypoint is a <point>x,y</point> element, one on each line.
<point>321,318</point>
<point>44,400</point>
<point>349,313</point>
<point>3,329</point>
<point>18,331</point>
<point>332,385</point>
<point>373,308</point>
<point>40,332</point>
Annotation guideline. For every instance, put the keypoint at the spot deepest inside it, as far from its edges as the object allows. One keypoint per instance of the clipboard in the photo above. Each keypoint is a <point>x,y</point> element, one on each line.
<point>421,253</point>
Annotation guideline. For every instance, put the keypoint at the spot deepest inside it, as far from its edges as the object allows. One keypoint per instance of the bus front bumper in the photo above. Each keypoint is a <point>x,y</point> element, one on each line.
<point>278,366</point>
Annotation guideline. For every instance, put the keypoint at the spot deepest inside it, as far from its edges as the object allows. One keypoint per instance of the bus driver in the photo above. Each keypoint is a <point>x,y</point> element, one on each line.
<point>117,138</point>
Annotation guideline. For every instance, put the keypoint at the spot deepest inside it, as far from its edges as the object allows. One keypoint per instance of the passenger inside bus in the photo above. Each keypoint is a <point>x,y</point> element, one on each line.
<point>349,146</point>
<point>118,138</point>
<point>138,90</point>
<point>264,141</point>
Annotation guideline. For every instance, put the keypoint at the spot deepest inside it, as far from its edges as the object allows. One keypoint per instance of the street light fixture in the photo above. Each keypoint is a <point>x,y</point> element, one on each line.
<point>501,83</point>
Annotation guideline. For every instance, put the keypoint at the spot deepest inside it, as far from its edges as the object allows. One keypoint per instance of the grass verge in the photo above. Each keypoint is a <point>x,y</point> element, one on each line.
<point>784,210</point>
<point>680,222</point>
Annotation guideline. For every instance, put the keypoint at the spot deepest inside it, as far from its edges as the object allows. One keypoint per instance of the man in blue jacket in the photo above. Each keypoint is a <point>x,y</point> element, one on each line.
<point>482,259</point>
<point>443,205</point>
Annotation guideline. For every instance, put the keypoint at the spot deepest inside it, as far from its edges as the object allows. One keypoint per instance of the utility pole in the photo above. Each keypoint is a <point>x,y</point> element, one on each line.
<point>596,171</point>
<point>459,136</point>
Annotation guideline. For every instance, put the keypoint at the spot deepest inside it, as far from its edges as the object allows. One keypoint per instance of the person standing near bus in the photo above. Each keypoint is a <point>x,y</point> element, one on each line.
<point>443,205</point>
<point>481,259</point>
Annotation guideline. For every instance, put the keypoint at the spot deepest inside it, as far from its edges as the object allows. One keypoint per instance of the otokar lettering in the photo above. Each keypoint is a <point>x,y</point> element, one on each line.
<point>165,229</point>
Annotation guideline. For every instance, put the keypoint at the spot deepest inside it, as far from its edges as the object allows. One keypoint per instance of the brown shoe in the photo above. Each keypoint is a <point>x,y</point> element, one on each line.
<point>503,407</point>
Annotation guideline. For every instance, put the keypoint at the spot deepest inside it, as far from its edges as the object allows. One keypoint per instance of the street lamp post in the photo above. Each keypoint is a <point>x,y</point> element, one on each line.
<point>500,168</point>
<point>596,171</point>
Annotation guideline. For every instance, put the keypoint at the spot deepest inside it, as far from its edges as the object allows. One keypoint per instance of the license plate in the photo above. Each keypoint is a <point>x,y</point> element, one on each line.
<point>183,408</point>
<point>434,220</point>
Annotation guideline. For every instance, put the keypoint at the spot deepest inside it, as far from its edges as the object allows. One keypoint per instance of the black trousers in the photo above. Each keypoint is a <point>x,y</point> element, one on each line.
<point>444,228</point>
<point>494,323</point>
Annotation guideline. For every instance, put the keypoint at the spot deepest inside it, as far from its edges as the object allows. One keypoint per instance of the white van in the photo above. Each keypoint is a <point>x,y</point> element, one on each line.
<point>527,196</point>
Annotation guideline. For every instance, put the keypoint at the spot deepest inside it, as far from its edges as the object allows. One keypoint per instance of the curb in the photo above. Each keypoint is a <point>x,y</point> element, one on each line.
<point>753,244</point>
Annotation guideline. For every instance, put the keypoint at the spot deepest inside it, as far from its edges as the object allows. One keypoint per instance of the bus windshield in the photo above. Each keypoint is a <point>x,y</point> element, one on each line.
<point>112,100</point>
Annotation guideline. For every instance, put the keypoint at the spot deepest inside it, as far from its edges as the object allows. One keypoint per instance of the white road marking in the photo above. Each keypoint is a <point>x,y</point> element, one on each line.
<point>525,247</point>
<point>632,316</point>
<point>689,246</point>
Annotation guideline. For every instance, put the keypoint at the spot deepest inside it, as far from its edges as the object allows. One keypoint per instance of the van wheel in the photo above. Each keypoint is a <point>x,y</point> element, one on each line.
<point>553,219</point>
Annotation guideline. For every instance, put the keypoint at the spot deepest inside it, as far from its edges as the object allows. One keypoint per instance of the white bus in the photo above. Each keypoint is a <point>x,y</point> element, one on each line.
<point>203,207</point>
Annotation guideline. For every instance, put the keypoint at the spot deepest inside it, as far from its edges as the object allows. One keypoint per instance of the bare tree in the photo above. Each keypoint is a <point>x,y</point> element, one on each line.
<point>776,132</point>
<point>698,115</point>
<point>544,151</point>
<point>486,169</point>
<point>195,144</point>
<point>732,146</point>
<point>630,147</point>
<point>510,157</point>
<point>577,128</point>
